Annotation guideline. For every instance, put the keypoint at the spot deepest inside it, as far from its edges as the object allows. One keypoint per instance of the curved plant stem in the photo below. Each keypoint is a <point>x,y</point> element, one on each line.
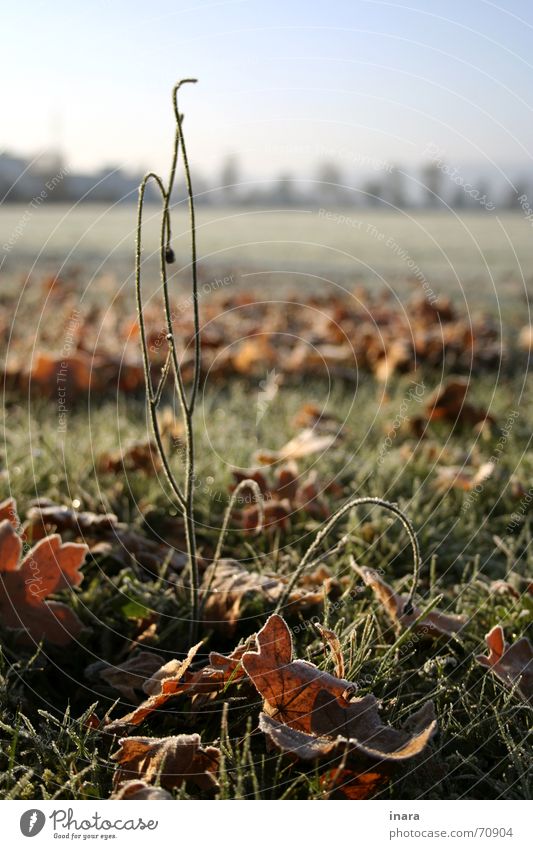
<point>324,531</point>
<point>194,262</point>
<point>244,484</point>
<point>184,495</point>
<point>247,483</point>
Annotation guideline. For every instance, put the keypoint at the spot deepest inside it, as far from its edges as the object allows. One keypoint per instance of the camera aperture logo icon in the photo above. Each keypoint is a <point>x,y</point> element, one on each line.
<point>32,822</point>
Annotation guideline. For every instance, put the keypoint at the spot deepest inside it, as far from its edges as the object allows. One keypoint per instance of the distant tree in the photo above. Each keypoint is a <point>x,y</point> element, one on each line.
<point>284,193</point>
<point>373,190</point>
<point>329,178</point>
<point>395,188</point>
<point>230,178</point>
<point>459,199</point>
<point>432,183</point>
<point>512,200</point>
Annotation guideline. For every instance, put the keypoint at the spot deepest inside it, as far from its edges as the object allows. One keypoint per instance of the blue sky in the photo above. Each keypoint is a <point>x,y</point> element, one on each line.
<point>283,84</point>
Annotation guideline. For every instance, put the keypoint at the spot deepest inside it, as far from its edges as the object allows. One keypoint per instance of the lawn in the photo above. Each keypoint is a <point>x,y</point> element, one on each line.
<point>475,541</point>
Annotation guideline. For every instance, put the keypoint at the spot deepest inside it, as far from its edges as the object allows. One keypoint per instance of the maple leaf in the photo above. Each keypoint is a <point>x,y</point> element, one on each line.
<point>50,566</point>
<point>172,760</point>
<point>434,624</point>
<point>305,699</point>
<point>512,664</point>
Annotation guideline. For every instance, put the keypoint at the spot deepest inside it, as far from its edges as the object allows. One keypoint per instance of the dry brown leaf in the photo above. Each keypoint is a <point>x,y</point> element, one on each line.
<point>448,403</point>
<point>136,457</point>
<point>134,791</point>
<point>8,512</point>
<point>285,494</point>
<point>173,683</point>
<point>132,674</point>
<point>330,638</point>
<point>435,624</point>
<point>307,442</point>
<point>308,700</point>
<point>175,678</point>
<point>310,415</point>
<point>339,783</point>
<point>512,664</point>
<point>104,534</point>
<point>50,566</point>
<point>171,760</point>
<point>253,352</point>
<point>463,477</point>
<point>45,514</point>
<point>233,585</point>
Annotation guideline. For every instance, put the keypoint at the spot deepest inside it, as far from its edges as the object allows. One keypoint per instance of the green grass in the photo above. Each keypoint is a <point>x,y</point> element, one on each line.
<point>482,749</point>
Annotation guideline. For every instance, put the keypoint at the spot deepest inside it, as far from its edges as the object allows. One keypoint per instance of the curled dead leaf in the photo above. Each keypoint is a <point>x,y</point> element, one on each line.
<point>330,638</point>
<point>307,442</point>
<point>104,534</point>
<point>173,683</point>
<point>8,512</point>
<point>175,678</point>
<point>434,624</point>
<point>512,664</point>
<point>463,477</point>
<point>136,457</point>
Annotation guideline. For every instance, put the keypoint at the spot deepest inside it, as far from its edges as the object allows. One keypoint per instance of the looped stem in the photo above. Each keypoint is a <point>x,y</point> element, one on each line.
<point>332,521</point>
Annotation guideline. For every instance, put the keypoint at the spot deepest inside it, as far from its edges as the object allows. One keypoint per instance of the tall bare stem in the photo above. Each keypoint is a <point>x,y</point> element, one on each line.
<point>184,493</point>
